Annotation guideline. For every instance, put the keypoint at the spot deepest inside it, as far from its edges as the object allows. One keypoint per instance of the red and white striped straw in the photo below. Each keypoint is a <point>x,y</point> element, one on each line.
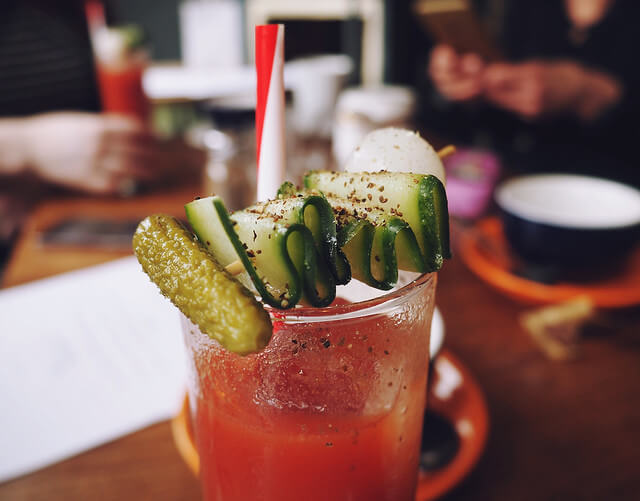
<point>270,126</point>
<point>94,12</point>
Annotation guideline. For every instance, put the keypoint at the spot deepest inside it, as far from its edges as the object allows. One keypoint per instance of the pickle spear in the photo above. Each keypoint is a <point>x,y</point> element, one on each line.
<point>198,285</point>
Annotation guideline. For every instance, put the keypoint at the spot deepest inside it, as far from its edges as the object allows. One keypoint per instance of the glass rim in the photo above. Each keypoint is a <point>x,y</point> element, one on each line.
<point>368,307</point>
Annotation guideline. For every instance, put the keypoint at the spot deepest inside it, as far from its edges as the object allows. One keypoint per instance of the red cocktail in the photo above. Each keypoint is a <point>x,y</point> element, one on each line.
<point>121,88</point>
<point>331,410</point>
<point>120,61</point>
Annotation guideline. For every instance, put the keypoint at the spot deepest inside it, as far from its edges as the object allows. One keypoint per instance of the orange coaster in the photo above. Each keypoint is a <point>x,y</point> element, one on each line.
<point>484,250</point>
<point>183,437</point>
<point>458,398</point>
<point>455,395</point>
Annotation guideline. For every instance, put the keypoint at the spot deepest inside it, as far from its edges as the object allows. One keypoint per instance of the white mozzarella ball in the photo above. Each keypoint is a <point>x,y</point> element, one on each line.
<point>395,150</point>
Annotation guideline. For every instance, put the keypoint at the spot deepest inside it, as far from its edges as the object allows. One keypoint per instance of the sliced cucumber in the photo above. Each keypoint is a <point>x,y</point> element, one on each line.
<point>279,255</point>
<point>419,200</point>
<point>312,210</point>
<point>297,247</point>
<point>375,243</point>
<point>286,259</point>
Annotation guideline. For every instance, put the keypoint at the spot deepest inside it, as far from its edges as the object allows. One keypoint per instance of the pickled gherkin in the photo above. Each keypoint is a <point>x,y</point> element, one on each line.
<point>198,285</point>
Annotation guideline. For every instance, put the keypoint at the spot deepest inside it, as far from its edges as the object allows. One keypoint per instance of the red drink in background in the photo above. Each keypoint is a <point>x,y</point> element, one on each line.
<point>120,60</point>
<point>331,410</point>
<point>121,88</point>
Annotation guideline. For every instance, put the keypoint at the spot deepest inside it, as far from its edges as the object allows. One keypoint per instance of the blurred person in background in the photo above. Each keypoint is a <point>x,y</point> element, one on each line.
<point>566,97</point>
<point>52,135</point>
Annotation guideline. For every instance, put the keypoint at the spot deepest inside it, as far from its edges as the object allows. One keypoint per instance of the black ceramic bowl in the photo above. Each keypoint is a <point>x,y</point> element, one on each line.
<point>569,221</point>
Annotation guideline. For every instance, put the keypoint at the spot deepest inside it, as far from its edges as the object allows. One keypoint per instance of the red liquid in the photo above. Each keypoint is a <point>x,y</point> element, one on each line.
<point>121,90</point>
<point>332,413</point>
<point>353,459</point>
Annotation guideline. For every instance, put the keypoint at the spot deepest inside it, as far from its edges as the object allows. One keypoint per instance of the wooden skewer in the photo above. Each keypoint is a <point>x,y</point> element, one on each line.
<point>446,151</point>
<point>237,267</point>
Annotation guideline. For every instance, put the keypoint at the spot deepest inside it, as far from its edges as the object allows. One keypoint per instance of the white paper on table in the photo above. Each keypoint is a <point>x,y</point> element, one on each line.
<point>85,357</point>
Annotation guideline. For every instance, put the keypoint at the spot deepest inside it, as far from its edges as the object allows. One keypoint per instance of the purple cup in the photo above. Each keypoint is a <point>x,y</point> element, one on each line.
<point>471,177</point>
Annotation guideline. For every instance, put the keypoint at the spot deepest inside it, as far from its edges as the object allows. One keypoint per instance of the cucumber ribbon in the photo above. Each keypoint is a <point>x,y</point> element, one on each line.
<point>377,242</point>
<point>304,243</point>
<point>294,241</point>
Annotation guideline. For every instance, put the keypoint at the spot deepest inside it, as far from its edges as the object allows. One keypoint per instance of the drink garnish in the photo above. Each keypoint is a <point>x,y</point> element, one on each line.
<point>296,248</point>
<point>299,246</point>
<point>199,286</point>
<point>289,251</point>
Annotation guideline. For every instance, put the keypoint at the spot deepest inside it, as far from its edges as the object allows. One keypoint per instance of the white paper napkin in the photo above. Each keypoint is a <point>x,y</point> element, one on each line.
<point>85,357</point>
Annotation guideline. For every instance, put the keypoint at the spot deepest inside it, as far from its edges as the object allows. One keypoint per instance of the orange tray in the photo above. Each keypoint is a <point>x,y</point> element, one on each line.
<point>484,250</point>
<point>462,404</point>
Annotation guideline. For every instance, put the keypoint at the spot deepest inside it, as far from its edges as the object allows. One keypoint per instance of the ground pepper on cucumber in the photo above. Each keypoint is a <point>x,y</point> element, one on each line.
<point>297,248</point>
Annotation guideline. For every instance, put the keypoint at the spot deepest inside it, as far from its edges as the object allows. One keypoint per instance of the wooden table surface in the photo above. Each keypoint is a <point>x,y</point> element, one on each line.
<point>559,430</point>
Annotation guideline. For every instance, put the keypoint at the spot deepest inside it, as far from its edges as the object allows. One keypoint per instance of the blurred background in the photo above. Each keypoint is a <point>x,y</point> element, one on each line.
<point>121,98</point>
<point>564,99</point>
<point>112,110</point>
<point>158,92</point>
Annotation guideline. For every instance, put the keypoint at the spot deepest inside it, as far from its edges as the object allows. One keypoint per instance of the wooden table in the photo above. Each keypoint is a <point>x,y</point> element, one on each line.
<point>559,430</point>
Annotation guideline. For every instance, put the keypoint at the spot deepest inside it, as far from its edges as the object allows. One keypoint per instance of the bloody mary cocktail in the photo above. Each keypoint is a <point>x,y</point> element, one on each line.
<point>121,88</point>
<point>120,62</point>
<point>331,409</point>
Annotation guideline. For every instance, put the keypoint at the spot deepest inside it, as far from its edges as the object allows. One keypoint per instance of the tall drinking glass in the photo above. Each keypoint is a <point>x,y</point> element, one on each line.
<point>332,409</point>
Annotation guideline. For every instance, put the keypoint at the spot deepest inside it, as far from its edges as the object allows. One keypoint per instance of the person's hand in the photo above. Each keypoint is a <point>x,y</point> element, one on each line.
<point>102,154</point>
<point>457,77</point>
<point>534,89</point>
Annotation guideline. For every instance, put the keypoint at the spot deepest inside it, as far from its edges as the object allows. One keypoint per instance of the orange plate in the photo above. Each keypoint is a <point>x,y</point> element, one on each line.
<point>484,250</point>
<point>462,403</point>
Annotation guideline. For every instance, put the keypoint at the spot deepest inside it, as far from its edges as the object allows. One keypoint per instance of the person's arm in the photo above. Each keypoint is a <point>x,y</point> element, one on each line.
<point>12,146</point>
<point>85,151</point>
<point>91,152</point>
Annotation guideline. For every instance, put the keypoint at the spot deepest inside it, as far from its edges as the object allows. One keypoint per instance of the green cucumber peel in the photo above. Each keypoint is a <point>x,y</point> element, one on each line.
<point>418,201</point>
<point>322,223</point>
<point>375,244</point>
<point>314,211</point>
<point>376,252</point>
<point>434,220</point>
<point>300,245</point>
<point>298,274</point>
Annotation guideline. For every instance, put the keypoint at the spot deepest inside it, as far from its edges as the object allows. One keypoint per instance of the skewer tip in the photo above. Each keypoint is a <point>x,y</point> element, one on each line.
<point>446,151</point>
